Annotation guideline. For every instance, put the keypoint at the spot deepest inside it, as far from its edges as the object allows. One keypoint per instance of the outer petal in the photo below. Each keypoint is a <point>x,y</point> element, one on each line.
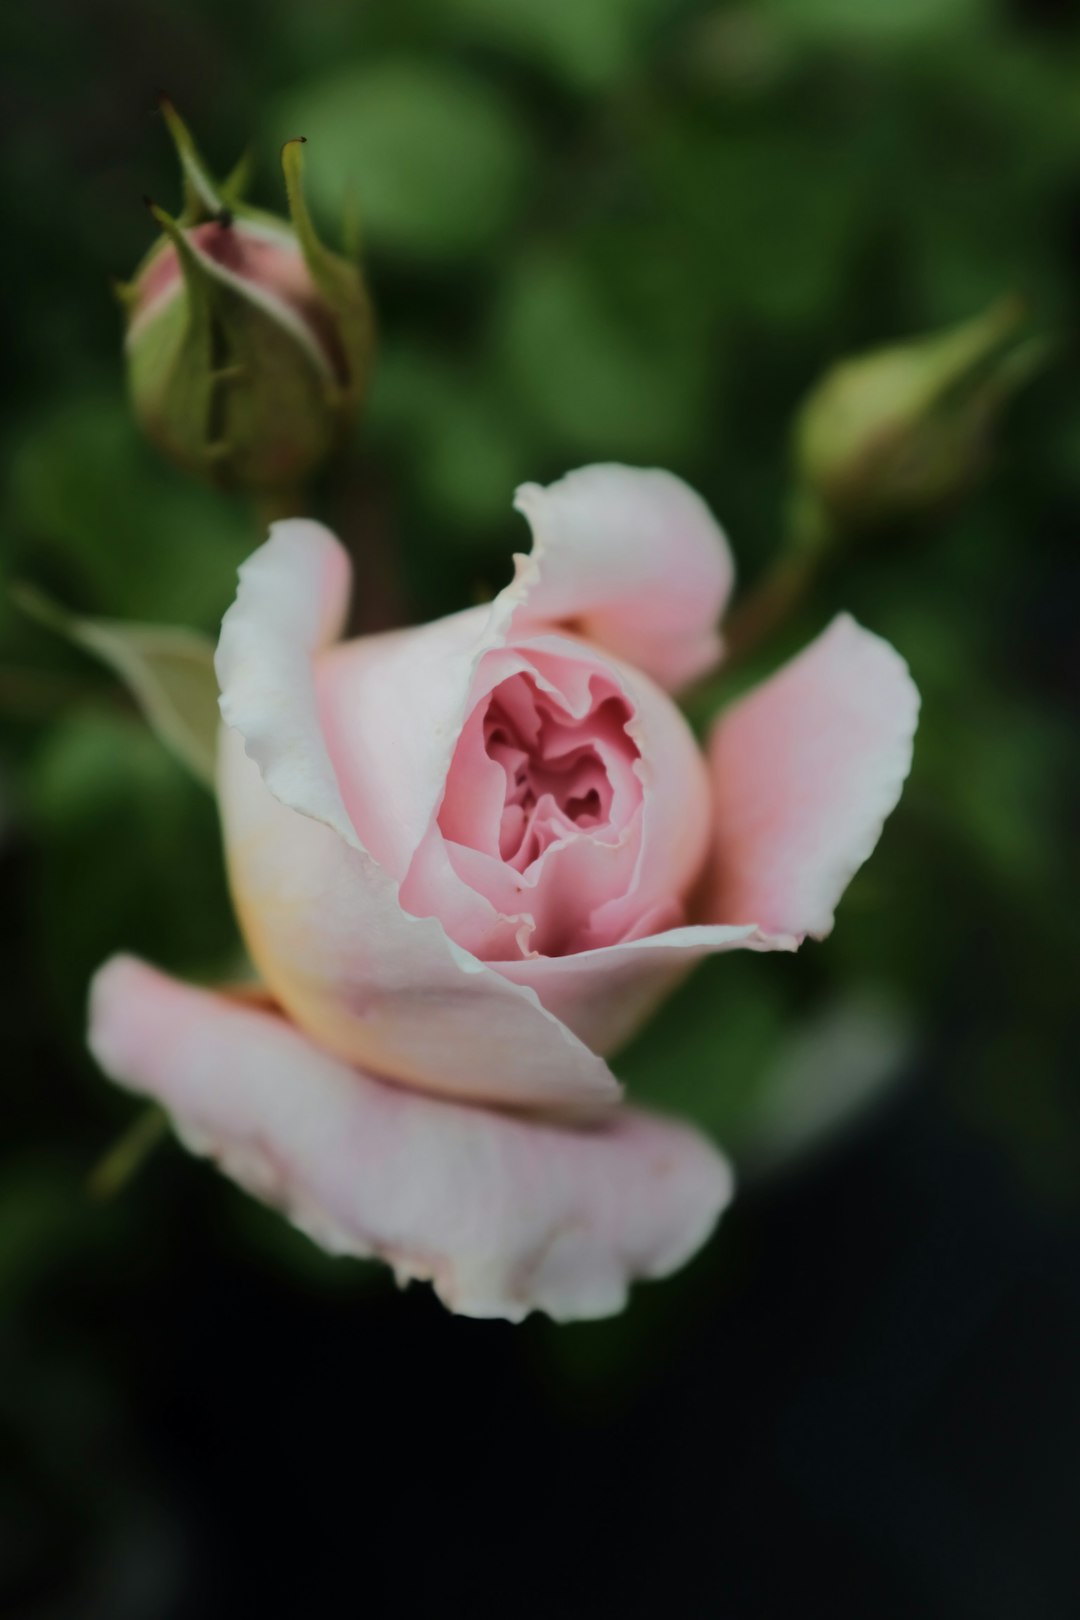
<point>321,917</point>
<point>805,770</point>
<point>634,560</point>
<point>503,1215</point>
<point>392,708</point>
<point>605,995</point>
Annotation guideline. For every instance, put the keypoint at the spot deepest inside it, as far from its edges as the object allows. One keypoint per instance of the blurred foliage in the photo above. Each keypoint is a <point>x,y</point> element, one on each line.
<point>630,229</point>
<point>169,672</point>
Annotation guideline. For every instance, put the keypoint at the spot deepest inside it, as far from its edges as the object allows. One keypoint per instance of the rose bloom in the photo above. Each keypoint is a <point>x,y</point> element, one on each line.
<point>468,859</point>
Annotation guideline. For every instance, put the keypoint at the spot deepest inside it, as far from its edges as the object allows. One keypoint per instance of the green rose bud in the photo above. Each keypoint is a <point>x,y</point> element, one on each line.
<point>903,429</point>
<point>248,342</point>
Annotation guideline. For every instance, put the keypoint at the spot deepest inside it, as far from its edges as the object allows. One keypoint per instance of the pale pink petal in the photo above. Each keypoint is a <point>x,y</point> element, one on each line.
<point>392,707</point>
<point>606,995</point>
<point>502,914</point>
<point>498,908</point>
<point>805,769</point>
<point>503,1215</point>
<point>676,811</point>
<point>321,917</point>
<point>435,888</point>
<point>291,602</point>
<point>633,560</point>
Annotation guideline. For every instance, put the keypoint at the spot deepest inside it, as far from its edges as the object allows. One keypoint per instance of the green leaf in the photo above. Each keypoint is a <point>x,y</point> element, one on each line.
<point>131,860</point>
<point>605,368</point>
<point>169,671</point>
<point>91,506</point>
<point>876,22</point>
<point>467,446</point>
<point>831,1069</point>
<point>591,46</point>
<point>438,159</point>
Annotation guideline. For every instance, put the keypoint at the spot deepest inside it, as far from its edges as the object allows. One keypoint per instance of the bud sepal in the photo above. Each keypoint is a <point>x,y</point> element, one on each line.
<point>249,342</point>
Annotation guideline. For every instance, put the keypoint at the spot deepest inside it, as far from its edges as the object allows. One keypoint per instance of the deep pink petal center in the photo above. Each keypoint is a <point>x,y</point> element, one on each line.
<point>551,774</point>
<point>556,782</point>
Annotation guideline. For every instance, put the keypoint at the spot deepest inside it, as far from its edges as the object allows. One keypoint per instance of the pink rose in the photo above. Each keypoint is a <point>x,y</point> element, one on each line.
<point>468,859</point>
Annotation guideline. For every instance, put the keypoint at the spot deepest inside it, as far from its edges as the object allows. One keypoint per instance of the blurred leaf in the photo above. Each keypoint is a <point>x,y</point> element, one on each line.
<point>830,1070</point>
<point>766,1084</point>
<point>774,214</point>
<point>994,776</point>
<point>42,1219</point>
<point>133,536</point>
<point>605,370</point>
<point>130,858</point>
<point>474,462</point>
<point>876,22</point>
<point>169,672</point>
<point>437,158</point>
<point>705,1051</point>
<point>589,45</point>
<point>464,451</point>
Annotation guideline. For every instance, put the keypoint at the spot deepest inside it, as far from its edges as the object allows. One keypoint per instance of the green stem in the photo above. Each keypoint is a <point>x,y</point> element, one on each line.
<point>128,1154</point>
<point>768,605</point>
<point>785,585</point>
<point>273,505</point>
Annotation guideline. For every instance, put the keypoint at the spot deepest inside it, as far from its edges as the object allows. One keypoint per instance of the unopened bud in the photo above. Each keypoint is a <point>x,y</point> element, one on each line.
<point>903,429</point>
<point>248,342</point>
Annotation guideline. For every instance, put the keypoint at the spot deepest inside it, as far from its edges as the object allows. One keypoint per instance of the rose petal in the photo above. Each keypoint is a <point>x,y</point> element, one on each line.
<point>605,995</point>
<point>321,917</point>
<point>490,908</point>
<point>503,1215</point>
<point>634,560</point>
<point>486,903</point>
<point>805,770</point>
<point>392,708</point>
<point>676,811</point>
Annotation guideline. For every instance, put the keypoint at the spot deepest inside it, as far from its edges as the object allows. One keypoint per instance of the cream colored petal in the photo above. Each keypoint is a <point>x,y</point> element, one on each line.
<point>501,1214</point>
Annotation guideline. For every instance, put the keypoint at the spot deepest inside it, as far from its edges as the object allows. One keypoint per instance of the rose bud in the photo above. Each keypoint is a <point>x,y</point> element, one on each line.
<point>248,342</point>
<point>903,429</point>
<point>468,859</point>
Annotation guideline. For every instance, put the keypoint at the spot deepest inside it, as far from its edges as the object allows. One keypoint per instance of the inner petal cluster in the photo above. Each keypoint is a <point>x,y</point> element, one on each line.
<point>542,809</point>
<point>556,781</point>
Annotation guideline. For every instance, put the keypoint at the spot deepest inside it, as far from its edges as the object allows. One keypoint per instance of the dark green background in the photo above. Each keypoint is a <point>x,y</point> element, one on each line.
<point>595,229</point>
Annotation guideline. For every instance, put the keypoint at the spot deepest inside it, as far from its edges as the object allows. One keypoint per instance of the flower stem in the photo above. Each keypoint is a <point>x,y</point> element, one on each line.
<point>128,1154</point>
<point>273,505</point>
<point>785,584</point>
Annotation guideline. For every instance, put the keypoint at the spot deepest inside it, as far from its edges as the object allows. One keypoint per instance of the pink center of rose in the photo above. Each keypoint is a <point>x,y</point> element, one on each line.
<point>553,771</point>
